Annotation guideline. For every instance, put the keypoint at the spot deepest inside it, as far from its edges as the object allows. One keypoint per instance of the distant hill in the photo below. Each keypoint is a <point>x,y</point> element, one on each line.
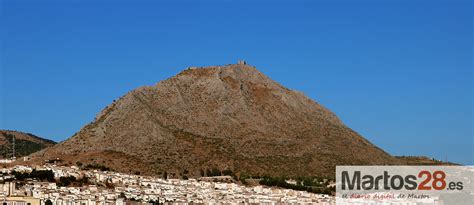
<point>230,118</point>
<point>25,143</point>
<point>422,160</point>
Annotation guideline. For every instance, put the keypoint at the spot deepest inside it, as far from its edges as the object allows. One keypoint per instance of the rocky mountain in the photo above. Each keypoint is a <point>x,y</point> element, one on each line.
<point>25,143</point>
<point>229,117</point>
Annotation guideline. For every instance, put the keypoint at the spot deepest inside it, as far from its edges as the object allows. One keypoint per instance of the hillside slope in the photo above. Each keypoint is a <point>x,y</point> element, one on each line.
<point>25,143</point>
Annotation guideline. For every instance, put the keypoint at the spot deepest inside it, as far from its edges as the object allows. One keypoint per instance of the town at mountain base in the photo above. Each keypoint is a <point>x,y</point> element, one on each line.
<point>229,118</point>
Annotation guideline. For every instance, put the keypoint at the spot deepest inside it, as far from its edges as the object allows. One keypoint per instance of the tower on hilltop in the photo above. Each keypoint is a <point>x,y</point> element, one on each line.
<point>13,148</point>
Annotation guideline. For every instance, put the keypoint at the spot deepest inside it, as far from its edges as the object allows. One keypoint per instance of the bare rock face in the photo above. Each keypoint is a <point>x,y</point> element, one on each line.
<point>226,117</point>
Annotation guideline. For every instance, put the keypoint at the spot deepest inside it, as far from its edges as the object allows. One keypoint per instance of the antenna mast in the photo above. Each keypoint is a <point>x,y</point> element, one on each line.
<point>13,146</point>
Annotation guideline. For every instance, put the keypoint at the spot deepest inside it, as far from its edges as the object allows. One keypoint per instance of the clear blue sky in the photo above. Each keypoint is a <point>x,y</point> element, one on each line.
<point>400,73</point>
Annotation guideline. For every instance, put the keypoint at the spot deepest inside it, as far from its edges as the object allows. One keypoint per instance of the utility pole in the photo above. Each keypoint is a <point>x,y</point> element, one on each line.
<point>13,146</point>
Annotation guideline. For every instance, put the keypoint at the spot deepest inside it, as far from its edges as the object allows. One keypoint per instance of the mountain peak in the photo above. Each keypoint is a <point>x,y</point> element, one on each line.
<point>240,72</point>
<point>226,117</point>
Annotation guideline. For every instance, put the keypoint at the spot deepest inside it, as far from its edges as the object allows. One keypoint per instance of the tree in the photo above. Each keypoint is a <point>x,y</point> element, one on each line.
<point>122,195</point>
<point>83,181</point>
<point>66,181</point>
<point>214,172</point>
<point>227,172</point>
<point>42,175</point>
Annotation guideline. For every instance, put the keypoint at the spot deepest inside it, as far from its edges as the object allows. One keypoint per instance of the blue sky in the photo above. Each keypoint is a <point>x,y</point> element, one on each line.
<point>400,72</point>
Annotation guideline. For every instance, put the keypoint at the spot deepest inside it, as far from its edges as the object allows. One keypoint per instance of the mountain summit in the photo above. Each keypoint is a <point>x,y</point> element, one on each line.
<point>229,117</point>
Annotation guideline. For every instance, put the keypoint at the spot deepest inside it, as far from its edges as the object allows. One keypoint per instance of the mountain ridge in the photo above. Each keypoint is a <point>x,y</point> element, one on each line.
<point>25,143</point>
